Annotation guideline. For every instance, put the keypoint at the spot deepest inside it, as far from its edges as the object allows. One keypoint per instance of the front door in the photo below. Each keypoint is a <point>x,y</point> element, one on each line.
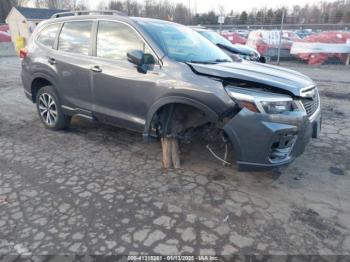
<point>121,94</point>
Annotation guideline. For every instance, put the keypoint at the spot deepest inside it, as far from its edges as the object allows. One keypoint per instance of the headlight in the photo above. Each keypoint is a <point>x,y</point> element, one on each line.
<point>263,102</point>
<point>278,107</point>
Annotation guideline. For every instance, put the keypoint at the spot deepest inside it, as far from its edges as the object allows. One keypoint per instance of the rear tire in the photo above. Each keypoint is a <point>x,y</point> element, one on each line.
<point>49,109</point>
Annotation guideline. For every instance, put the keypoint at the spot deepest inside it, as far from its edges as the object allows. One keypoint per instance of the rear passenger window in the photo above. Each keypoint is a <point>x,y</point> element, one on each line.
<point>114,40</point>
<point>47,35</point>
<point>75,37</point>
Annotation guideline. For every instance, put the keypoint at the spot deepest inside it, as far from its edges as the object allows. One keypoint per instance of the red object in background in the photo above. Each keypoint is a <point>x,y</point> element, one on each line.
<point>331,37</point>
<point>234,37</point>
<point>262,47</point>
<point>256,40</point>
<point>23,52</point>
<point>5,33</point>
<point>267,41</point>
<point>259,43</point>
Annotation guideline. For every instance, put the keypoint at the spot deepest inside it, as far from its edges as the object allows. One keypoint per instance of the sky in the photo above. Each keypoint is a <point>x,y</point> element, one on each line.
<point>236,5</point>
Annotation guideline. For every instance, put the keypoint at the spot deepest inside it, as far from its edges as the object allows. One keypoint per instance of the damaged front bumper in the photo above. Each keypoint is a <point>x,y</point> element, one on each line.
<point>266,141</point>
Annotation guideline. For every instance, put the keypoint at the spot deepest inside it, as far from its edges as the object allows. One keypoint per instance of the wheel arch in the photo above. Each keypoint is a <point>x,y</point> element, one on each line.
<point>211,114</point>
<point>40,80</point>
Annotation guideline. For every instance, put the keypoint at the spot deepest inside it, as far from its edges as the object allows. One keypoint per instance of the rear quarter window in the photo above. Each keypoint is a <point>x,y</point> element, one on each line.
<point>75,37</point>
<point>47,36</point>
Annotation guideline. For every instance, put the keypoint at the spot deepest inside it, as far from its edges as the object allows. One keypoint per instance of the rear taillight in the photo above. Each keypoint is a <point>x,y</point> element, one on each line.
<point>23,52</point>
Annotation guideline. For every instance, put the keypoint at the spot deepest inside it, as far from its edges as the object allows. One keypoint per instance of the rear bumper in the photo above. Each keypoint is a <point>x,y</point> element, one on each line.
<point>262,142</point>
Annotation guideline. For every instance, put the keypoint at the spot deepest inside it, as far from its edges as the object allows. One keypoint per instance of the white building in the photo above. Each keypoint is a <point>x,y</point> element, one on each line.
<point>22,20</point>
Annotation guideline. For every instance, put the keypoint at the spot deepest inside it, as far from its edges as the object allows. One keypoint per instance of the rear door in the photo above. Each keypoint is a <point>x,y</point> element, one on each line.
<point>121,94</point>
<point>73,63</point>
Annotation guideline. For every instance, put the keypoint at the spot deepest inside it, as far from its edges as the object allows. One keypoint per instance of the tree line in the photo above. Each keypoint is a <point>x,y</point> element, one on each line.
<point>320,13</point>
<point>317,13</point>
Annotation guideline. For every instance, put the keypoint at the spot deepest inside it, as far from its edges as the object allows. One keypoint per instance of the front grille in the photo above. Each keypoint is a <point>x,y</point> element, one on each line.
<point>311,104</point>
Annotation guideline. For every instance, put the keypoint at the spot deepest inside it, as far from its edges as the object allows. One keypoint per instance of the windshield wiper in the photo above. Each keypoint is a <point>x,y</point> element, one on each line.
<point>210,62</point>
<point>222,60</point>
<point>203,62</point>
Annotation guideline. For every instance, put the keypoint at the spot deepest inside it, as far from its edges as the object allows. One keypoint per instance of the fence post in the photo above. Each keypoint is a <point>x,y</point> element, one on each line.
<point>280,40</point>
<point>189,9</point>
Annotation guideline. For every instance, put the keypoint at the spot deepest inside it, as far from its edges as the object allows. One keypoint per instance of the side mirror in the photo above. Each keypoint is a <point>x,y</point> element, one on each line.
<point>143,61</point>
<point>135,57</point>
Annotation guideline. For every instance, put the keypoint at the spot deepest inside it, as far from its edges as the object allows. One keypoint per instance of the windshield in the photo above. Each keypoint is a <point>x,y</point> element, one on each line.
<point>215,38</point>
<point>183,44</point>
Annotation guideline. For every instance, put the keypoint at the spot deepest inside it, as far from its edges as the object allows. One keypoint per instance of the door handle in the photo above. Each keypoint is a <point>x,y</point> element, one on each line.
<point>96,69</point>
<point>52,61</point>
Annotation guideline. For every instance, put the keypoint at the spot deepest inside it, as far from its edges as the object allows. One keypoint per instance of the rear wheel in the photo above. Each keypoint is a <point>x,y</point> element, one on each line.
<point>49,109</point>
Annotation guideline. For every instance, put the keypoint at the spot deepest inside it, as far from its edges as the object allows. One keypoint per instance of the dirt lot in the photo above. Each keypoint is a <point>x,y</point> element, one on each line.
<point>100,190</point>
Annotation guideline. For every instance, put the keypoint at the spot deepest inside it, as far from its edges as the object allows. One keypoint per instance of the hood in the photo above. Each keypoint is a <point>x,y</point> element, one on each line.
<point>273,76</point>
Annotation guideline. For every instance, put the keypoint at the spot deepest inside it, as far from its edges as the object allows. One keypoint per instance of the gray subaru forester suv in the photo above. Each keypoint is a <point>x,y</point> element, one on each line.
<point>163,79</point>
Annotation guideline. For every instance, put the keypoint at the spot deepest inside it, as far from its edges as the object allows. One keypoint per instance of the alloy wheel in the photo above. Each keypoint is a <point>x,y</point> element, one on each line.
<point>48,109</point>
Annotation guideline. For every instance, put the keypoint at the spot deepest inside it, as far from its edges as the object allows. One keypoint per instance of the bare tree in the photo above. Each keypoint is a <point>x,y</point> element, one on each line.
<point>6,6</point>
<point>181,14</point>
<point>55,4</point>
<point>102,6</point>
<point>62,4</point>
<point>75,4</point>
<point>116,5</point>
<point>18,2</point>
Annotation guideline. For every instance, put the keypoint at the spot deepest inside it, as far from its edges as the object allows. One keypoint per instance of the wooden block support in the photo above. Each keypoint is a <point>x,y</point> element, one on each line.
<point>171,153</point>
<point>175,153</point>
<point>166,148</point>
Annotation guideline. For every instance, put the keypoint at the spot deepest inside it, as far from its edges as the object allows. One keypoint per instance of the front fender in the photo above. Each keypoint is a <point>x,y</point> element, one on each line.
<point>211,114</point>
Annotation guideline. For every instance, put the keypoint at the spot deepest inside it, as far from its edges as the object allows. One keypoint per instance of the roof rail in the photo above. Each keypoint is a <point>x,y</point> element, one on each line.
<point>88,12</point>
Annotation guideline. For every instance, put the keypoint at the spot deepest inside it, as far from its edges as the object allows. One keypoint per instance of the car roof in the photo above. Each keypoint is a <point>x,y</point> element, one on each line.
<point>109,17</point>
<point>133,21</point>
<point>83,17</point>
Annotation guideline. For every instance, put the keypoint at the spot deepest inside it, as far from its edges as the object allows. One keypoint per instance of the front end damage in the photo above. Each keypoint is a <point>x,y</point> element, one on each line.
<point>257,141</point>
<point>273,115</point>
<point>263,141</point>
<point>272,129</point>
<point>277,112</point>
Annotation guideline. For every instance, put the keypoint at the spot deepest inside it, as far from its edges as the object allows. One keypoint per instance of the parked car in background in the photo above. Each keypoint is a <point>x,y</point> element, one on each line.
<point>233,50</point>
<point>267,42</point>
<point>163,79</point>
<point>304,33</point>
<point>319,48</point>
<point>234,37</point>
<point>243,33</point>
<point>5,35</point>
<point>288,38</point>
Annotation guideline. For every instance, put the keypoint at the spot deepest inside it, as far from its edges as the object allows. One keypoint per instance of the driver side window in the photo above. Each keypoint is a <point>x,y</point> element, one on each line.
<point>115,40</point>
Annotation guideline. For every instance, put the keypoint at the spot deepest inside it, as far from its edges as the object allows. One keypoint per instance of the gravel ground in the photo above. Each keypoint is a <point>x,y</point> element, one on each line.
<point>100,190</point>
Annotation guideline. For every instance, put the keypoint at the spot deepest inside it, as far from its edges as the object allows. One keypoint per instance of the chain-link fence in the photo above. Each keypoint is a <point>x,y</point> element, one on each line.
<point>321,27</point>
